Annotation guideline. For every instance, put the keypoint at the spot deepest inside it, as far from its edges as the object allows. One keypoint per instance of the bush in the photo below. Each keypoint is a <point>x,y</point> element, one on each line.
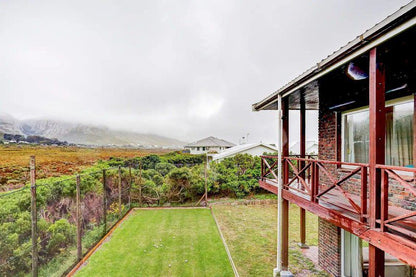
<point>62,234</point>
<point>164,168</point>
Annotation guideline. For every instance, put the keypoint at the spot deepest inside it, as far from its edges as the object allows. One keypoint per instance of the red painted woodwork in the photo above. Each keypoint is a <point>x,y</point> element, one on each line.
<point>285,204</point>
<point>396,228</point>
<point>377,136</point>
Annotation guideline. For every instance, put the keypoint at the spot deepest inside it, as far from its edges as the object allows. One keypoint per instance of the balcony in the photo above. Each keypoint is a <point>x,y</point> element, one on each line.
<point>339,193</point>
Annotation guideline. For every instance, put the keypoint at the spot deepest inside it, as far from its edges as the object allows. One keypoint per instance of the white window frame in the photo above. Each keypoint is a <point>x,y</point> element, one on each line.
<point>393,102</point>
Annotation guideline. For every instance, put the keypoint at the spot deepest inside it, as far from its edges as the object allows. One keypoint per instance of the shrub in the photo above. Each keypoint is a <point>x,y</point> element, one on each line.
<point>164,168</point>
<point>62,233</point>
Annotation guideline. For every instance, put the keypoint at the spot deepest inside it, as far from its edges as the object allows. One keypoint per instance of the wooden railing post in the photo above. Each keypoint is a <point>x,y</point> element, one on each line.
<point>312,182</point>
<point>78,215</point>
<point>384,198</point>
<point>262,169</point>
<point>316,182</point>
<point>34,217</point>
<point>104,202</point>
<point>119,192</point>
<point>363,194</point>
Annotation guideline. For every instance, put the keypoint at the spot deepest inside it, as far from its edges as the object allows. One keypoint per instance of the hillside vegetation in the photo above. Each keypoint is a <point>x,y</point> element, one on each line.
<point>53,161</point>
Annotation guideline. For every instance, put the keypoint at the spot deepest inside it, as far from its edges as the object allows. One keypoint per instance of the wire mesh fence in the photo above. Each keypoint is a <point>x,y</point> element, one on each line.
<point>49,226</point>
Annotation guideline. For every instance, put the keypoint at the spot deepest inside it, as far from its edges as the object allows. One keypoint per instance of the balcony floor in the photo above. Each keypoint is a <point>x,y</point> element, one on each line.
<point>335,207</point>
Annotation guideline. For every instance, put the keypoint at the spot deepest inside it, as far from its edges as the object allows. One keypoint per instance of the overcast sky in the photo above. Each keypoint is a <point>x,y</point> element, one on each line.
<point>183,69</point>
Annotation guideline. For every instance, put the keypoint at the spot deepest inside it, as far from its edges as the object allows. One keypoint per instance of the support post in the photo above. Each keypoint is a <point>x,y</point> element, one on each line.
<point>302,153</point>
<point>285,203</point>
<point>119,192</point>
<point>34,217</point>
<point>78,215</point>
<point>104,202</point>
<point>376,154</point>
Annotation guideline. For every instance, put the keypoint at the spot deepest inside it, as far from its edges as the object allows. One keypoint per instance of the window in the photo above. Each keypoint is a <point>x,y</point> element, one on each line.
<point>203,148</point>
<point>197,149</point>
<point>399,134</point>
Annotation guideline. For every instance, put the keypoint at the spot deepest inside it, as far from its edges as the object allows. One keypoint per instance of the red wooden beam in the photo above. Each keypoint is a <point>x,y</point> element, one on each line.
<point>285,204</point>
<point>376,154</point>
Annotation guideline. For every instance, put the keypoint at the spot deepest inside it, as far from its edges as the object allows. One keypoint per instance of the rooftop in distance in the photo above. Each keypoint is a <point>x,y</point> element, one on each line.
<point>210,141</point>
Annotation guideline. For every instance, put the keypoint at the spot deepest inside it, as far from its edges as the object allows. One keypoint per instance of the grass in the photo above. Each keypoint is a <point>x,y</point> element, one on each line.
<point>250,232</point>
<point>167,242</point>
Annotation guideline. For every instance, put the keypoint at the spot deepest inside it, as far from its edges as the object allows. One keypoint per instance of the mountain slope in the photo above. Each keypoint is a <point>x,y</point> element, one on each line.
<point>82,133</point>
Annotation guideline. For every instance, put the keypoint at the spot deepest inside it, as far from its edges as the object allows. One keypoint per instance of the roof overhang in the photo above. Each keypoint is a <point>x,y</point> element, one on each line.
<point>393,25</point>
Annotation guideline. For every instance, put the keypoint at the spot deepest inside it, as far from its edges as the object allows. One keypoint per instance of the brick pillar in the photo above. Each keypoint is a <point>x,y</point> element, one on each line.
<point>329,253</point>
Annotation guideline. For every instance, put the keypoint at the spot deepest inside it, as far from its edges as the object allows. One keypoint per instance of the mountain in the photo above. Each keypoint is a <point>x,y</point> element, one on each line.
<point>9,125</point>
<point>82,133</point>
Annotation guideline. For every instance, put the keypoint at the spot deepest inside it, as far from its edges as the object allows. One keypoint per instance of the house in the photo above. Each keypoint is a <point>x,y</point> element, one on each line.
<point>254,149</point>
<point>362,184</point>
<point>208,145</point>
<point>311,147</point>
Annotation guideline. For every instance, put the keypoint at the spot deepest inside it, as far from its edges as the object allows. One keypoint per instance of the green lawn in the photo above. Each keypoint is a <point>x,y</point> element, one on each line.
<point>250,232</point>
<point>169,242</point>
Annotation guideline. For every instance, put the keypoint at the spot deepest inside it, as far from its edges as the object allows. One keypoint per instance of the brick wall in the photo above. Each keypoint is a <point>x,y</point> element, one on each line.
<point>329,255</point>
<point>329,237</point>
<point>330,149</point>
<point>327,142</point>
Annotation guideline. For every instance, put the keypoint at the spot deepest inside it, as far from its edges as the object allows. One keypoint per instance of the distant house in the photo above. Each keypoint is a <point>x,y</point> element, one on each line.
<point>254,149</point>
<point>311,147</point>
<point>209,145</point>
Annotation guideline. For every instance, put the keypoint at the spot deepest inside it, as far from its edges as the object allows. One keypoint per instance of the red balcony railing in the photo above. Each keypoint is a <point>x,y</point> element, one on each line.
<point>318,181</point>
<point>346,191</point>
<point>396,217</point>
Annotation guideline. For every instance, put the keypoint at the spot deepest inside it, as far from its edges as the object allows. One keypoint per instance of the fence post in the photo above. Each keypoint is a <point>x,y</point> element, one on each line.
<point>104,202</point>
<point>206,185</point>
<point>140,185</point>
<point>119,191</point>
<point>79,226</point>
<point>130,181</point>
<point>34,217</point>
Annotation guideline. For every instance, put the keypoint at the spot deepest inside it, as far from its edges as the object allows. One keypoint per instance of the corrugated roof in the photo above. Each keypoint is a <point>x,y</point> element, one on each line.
<point>405,13</point>
<point>241,148</point>
<point>211,141</point>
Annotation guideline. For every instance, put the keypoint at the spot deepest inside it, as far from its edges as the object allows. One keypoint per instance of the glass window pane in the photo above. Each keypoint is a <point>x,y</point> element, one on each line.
<point>399,135</point>
<point>356,137</point>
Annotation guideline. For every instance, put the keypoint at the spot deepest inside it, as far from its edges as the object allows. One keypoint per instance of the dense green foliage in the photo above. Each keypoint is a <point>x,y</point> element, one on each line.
<point>169,179</point>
